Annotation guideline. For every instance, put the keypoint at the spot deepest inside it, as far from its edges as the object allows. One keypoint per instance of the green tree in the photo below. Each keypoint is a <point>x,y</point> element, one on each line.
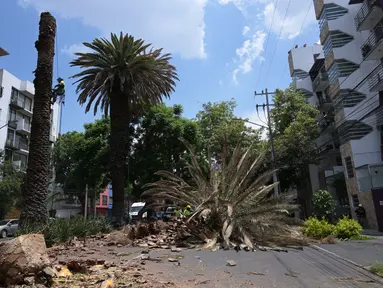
<point>122,75</point>
<point>323,204</point>
<point>36,186</point>
<point>221,131</point>
<point>10,187</point>
<point>82,159</point>
<point>158,146</point>
<point>295,130</point>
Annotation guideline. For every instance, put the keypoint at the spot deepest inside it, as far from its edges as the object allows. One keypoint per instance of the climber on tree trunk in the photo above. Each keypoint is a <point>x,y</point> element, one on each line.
<point>59,90</point>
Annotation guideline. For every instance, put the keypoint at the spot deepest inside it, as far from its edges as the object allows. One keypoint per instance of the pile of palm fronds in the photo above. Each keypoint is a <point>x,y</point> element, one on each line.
<point>233,203</point>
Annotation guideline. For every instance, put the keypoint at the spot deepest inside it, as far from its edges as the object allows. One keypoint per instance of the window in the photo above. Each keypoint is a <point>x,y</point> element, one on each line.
<point>104,200</point>
<point>14,222</point>
<point>28,103</point>
<point>21,160</point>
<point>12,115</point>
<point>349,167</point>
<point>10,135</point>
<point>27,123</point>
<point>1,91</point>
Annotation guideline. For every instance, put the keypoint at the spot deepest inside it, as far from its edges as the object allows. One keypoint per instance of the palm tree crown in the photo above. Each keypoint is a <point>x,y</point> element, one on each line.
<point>123,65</point>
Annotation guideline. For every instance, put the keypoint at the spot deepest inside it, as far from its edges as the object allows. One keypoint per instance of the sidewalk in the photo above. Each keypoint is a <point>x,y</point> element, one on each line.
<point>364,253</point>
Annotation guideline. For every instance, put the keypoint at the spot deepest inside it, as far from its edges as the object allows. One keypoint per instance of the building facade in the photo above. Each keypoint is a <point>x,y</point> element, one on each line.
<point>348,82</point>
<point>16,110</point>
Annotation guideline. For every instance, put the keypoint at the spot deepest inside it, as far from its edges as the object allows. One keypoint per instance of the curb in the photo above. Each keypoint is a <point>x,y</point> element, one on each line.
<point>376,277</point>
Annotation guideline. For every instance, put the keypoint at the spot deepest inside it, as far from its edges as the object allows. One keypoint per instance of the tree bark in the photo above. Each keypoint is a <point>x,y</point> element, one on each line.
<point>119,125</point>
<point>36,187</point>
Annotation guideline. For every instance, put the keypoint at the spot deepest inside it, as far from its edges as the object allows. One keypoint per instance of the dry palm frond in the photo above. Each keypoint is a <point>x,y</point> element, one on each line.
<point>233,201</point>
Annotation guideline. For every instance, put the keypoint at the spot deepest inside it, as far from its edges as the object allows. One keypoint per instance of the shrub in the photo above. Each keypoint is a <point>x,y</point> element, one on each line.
<point>318,229</point>
<point>323,204</point>
<point>348,228</point>
<point>60,230</point>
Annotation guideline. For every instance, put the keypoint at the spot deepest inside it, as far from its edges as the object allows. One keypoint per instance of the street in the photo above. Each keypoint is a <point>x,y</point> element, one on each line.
<point>364,253</point>
<point>308,268</point>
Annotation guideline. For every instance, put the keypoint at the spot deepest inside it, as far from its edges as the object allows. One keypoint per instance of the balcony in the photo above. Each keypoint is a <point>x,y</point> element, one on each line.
<point>20,165</point>
<point>372,49</point>
<point>369,15</point>
<point>52,138</point>
<point>12,124</point>
<point>18,104</point>
<point>320,82</point>
<point>325,102</point>
<point>23,127</point>
<point>329,148</point>
<point>11,144</point>
<point>375,81</point>
<point>370,177</point>
<point>326,124</point>
<point>27,88</point>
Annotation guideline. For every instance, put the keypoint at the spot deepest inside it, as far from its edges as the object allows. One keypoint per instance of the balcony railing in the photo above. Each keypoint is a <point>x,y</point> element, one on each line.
<point>16,145</point>
<point>24,126</point>
<point>12,124</point>
<point>16,102</point>
<point>372,42</point>
<point>375,80</point>
<point>324,99</point>
<point>23,146</point>
<point>321,81</point>
<point>330,146</point>
<point>326,122</point>
<point>367,7</point>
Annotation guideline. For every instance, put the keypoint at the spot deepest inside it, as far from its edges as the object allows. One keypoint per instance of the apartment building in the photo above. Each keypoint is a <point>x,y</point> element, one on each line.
<point>16,110</point>
<point>310,77</point>
<point>347,80</point>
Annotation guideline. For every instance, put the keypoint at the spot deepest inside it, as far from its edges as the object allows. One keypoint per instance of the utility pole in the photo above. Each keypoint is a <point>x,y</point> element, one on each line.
<point>275,175</point>
<point>86,202</point>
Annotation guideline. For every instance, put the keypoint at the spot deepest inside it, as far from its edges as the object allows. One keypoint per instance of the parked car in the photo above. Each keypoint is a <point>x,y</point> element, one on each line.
<point>169,214</point>
<point>8,227</point>
<point>135,210</point>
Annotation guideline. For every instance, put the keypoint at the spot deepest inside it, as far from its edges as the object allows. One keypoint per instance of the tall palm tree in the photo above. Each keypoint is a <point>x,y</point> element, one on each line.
<point>36,185</point>
<point>121,76</point>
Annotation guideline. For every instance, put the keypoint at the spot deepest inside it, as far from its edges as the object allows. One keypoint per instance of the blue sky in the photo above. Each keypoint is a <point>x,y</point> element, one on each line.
<point>221,48</point>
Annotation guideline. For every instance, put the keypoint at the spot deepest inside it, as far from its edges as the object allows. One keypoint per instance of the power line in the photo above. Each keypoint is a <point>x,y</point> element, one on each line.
<point>267,40</point>
<point>299,36</point>
<point>279,36</point>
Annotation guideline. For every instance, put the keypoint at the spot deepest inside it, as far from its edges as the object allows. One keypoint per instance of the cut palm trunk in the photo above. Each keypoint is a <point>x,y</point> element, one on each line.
<point>36,187</point>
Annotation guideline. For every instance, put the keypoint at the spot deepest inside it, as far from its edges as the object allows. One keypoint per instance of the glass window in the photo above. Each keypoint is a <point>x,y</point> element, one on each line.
<point>10,135</point>
<point>12,115</point>
<point>27,123</point>
<point>104,200</point>
<point>376,176</point>
<point>15,93</point>
<point>364,180</point>
<point>28,103</point>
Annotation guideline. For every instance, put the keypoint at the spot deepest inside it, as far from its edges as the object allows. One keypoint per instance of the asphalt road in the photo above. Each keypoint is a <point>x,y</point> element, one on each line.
<point>299,269</point>
<point>364,253</point>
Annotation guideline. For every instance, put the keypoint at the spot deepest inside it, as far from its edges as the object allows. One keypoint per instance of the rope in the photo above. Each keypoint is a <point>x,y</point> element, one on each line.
<point>57,57</point>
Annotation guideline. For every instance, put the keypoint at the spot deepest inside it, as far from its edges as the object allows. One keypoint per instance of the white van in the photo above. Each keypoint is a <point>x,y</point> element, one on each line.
<point>135,210</point>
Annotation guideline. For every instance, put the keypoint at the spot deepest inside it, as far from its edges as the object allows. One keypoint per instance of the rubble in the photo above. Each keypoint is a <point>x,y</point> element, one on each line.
<point>23,256</point>
<point>231,263</point>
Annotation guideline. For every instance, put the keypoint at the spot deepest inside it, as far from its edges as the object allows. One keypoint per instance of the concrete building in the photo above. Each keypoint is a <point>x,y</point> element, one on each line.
<point>16,110</point>
<point>351,73</point>
<point>309,76</point>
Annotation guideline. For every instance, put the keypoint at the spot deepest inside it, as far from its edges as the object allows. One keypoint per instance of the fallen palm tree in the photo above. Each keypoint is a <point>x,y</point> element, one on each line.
<point>232,203</point>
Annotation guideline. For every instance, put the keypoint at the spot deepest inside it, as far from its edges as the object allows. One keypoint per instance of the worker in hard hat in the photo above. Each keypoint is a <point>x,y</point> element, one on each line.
<point>59,90</point>
<point>187,210</point>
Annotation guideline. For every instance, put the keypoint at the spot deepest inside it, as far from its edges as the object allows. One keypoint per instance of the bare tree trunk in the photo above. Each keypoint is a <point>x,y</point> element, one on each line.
<point>36,186</point>
<point>119,125</point>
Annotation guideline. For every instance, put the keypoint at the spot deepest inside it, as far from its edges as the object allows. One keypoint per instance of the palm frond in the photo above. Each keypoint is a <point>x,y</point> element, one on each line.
<point>236,196</point>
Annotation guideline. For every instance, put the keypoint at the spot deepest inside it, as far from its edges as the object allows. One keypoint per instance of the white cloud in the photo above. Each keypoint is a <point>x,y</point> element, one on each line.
<point>176,25</point>
<point>75,48</point>
<point>250,51</point>
<point>260,15</point>
<point>245,30</point>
